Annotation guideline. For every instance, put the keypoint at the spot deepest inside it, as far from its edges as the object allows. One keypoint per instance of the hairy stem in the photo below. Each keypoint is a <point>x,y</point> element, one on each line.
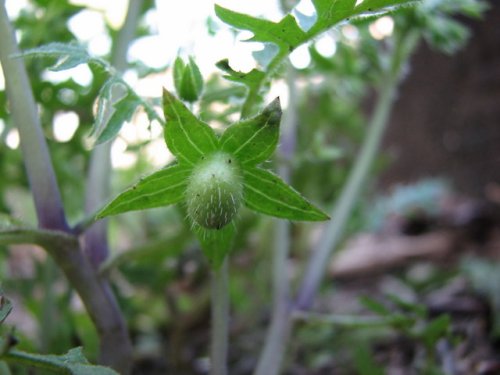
<point>41,176</point>
<point>275,343</point>
<point>98,178</point>
<point>220,320</point>
<point>333,231</point>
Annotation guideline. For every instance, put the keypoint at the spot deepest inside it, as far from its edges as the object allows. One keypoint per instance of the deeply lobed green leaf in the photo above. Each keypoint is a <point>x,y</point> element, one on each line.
<point>265,192</point>
<point>254,141</point>
<point>67,55</point>
<point>162,188</point>
<point>379,5</point>
<point>124,109</point>
<point>188,138</point>
<point>251,79</point>
<point>286,34</point>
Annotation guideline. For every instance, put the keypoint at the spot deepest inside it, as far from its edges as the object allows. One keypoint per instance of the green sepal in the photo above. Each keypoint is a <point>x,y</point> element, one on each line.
<point>266,193</point>
<point>162,188</point>
<point>254,141</point>
<point>215,243</point>
<point>178,72</point>
<point>188,138</point>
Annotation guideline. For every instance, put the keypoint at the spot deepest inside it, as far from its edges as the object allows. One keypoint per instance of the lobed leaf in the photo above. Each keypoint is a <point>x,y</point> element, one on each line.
<point>265,192</point>
<point>381,5</point>
<point>188,138</point>
<point>162,188</point>
<point>215,243</point>
<point>330,13</point>
<point>286,34</point>
<point>103,99</point>
<point>124,109</point>
<point>252,79</point>
<point>67,55</point>
<point>254,141</point>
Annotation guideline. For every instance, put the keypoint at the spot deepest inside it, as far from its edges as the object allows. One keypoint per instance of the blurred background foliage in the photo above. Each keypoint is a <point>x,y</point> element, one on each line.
<point>156,267</point>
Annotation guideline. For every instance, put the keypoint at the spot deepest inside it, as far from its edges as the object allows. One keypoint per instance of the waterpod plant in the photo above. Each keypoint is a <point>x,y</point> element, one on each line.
<point>213,176</point>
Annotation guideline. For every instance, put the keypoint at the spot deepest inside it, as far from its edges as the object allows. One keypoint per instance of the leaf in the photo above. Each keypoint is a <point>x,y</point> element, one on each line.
<point>286,34</point>
<point>5,307</point>
<point>124,109</point>
<point>188,138</point>
<point>417,309</point>
<point>215,243</point>
<point>265,192</point>
<point>254,141</point>
<point>162,188</point>
<point>436,329</point>
<point>381,5</point>
<point>364,362</point>
<point>252,79</point>
<point>374,306</point>
<point>329,13</point>
<point>103,100</point>
<point>67,55</point>
<point>73,362</point>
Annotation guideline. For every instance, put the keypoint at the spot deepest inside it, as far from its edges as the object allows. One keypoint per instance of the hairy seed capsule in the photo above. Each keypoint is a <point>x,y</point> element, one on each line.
<point>214,191</point>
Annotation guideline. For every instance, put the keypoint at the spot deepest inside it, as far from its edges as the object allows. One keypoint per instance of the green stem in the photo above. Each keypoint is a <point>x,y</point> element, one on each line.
<point>271,358</point>
<point>334,230</point>
<point>275,343</point>
<point>41,176</point>
<point>220,320</point>
<point>98,178</point>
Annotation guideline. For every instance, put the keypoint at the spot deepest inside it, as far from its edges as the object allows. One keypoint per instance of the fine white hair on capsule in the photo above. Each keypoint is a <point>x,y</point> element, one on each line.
<point>214,192</point>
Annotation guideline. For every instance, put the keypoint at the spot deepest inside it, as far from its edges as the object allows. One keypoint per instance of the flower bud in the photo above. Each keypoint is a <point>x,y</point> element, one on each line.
<point>187,79</point>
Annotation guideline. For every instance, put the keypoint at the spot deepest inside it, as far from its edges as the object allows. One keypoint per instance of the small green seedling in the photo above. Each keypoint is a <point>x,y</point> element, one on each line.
<point>213,176</point>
